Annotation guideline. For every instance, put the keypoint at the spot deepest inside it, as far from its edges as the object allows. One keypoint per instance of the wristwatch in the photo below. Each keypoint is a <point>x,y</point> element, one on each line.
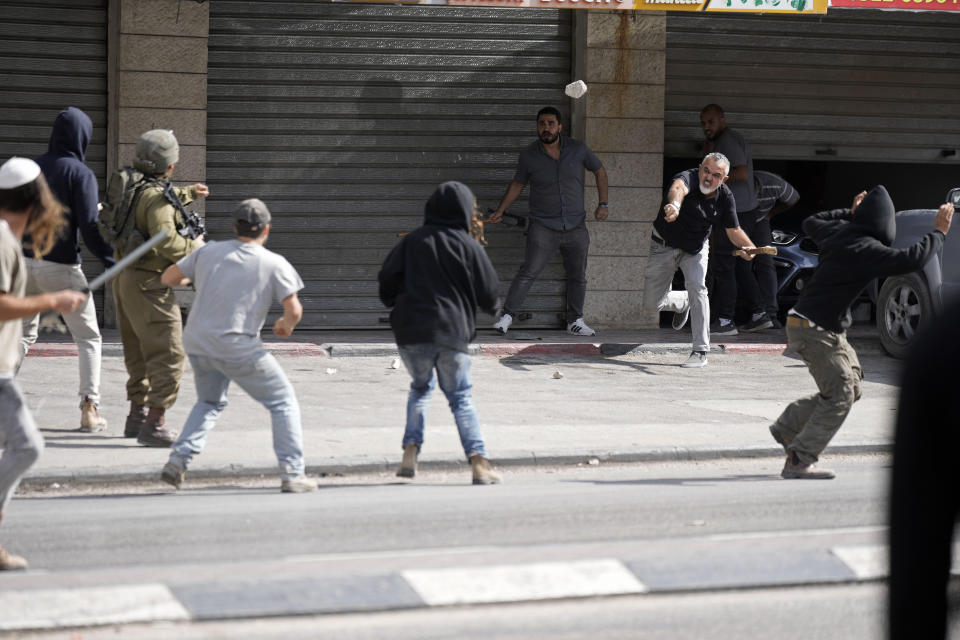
<point>602,204</point>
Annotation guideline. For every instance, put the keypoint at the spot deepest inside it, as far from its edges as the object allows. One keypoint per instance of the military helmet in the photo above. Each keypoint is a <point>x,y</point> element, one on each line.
<point>157,149</point>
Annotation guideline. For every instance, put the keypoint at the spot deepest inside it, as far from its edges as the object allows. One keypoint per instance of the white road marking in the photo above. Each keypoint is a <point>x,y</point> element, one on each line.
<point>513,583</point>
<point>872,562</point>
<point>868,562</point>
<point>58,608</point>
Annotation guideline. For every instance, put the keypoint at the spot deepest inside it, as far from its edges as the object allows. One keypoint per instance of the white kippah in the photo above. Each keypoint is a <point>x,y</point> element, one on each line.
<point>17,172</point>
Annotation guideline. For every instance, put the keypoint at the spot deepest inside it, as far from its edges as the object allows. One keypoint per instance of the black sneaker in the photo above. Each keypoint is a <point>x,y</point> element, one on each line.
<point>761,323</point>
<point>718,329</point>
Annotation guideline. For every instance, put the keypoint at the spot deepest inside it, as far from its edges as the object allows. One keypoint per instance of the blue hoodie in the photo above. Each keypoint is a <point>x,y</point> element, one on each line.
<point>75,185</point>
<point>438,276</point>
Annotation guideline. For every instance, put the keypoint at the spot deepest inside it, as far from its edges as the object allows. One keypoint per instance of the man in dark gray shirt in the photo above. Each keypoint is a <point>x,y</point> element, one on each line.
<point>553,167</point>
<point>726,270</point>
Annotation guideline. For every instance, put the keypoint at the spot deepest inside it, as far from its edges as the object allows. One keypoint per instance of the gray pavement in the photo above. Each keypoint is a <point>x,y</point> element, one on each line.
<point>543,397</point>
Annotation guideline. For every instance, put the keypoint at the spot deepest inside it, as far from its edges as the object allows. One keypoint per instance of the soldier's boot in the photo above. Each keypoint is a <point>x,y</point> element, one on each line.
<point>135,420</point>
<point>408,466</point>
<point>154,433</point>
<point>90,419</point>
<point>483,473</point>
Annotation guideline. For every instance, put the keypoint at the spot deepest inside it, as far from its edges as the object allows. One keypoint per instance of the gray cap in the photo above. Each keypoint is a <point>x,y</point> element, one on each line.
<point>157,149</point>
<point>252,215</point>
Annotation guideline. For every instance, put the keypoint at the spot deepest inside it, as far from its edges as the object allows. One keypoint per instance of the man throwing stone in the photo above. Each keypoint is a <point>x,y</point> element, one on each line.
<point>679,240</point>
<point>553,167</point>
<point>854,249</point>
<point>237,281</point>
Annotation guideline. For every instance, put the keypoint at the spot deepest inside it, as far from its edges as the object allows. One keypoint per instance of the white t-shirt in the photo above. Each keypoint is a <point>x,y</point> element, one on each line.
<point>237,283</point>
<point>13,281</point>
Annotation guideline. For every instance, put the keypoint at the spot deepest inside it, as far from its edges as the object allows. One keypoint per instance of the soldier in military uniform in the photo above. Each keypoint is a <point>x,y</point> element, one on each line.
<point>147,312</point>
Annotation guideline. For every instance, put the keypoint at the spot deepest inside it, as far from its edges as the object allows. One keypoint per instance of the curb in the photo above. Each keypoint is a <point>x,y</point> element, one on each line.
<point>360,349</point>
<point>86,476</point>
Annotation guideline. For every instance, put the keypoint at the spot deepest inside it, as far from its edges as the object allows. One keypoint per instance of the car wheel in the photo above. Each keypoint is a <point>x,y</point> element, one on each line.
<point>903,307</point>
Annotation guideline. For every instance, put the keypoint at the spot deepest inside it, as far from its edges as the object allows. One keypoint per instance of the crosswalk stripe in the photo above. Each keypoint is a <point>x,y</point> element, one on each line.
<point>88,606</point>
<point>868,562</point>
<point>514,583</point>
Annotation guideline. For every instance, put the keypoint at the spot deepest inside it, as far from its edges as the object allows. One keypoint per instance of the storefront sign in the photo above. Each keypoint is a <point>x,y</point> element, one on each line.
<point>740,6</point>
<point>903,5</point>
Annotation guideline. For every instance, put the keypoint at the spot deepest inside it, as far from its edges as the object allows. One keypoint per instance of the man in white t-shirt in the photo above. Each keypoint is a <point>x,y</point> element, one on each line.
<point>237,281</point>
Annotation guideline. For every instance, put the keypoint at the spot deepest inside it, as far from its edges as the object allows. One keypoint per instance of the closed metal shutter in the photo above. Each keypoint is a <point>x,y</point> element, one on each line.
<point>53,54</point>
<point>343,118</point>
<point>853,85</point>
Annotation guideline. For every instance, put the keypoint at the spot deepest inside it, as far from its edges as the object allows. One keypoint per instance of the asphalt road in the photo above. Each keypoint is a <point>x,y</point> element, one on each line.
<point>723,547</point>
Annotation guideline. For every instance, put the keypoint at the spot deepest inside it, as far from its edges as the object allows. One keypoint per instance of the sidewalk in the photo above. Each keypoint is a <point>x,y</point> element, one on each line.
<point>352,391</point>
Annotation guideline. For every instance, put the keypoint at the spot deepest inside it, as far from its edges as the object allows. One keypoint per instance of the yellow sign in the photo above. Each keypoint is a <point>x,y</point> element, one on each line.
<point>735,6</point>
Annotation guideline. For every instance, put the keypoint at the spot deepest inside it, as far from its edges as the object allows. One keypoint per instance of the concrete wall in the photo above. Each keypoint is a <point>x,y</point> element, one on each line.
<point>158,79</point>
<point>623,123</point>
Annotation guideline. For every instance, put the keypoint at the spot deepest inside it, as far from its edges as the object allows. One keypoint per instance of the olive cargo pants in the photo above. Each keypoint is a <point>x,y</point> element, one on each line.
<point>810,423</point>
<point>151,331</point>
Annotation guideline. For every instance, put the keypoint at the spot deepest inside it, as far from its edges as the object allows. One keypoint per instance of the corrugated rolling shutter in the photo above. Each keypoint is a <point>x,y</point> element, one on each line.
<point>343,118</point>
<point>853,85</point>
<point>53,54</point>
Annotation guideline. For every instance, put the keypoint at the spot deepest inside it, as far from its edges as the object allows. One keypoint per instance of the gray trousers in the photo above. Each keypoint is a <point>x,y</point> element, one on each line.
<point>542,243</point>
<point>19,437</point>
<point>810,423</point>
<point>658,278</point>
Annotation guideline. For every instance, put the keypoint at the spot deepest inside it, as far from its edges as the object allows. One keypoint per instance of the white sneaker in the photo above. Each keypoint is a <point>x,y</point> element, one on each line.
<point>300,484</point>
<point>579,328</point>
<point>696,359</point>
<point>503,323</point>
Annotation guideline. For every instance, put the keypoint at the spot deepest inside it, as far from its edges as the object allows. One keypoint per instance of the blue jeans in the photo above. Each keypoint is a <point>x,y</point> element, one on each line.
<point>453,372</point>
<point>263,379</point>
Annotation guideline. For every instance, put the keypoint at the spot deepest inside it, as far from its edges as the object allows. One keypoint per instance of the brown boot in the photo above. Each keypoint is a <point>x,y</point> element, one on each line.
<point>483,473</point>
<point>138,414</point>
<point>90,419</point>
<point>793,469</point>
<point>408,466</point>
<point>10,562</point>
<point>153,433</point>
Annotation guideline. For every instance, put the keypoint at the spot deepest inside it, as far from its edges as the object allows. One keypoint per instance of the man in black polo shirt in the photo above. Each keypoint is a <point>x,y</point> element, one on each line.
<point>553,167</point>
<point>679,240</point>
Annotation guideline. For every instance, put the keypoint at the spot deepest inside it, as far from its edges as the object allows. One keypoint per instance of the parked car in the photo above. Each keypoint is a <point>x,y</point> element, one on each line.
<point>903,304</point>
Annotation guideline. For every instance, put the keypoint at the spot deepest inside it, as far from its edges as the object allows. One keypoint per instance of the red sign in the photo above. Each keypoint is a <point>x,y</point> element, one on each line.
<point>908,5</point>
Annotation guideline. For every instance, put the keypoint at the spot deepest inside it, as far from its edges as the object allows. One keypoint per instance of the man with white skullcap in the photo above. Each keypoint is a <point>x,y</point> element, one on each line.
<point>26,207</point>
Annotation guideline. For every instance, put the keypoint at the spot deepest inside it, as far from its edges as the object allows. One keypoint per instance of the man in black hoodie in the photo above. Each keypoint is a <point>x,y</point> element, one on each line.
<point>435,278</point>
<point>74,185</point>
<point>854,249</point>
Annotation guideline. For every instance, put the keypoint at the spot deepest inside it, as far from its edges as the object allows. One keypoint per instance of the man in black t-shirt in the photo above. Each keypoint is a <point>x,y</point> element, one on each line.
<point>679,240</point>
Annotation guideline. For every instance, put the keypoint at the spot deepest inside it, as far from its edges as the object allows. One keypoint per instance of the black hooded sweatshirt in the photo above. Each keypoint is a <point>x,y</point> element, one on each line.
<point>74,185</point>
<point>437,276</point>
<point>855,249</point>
